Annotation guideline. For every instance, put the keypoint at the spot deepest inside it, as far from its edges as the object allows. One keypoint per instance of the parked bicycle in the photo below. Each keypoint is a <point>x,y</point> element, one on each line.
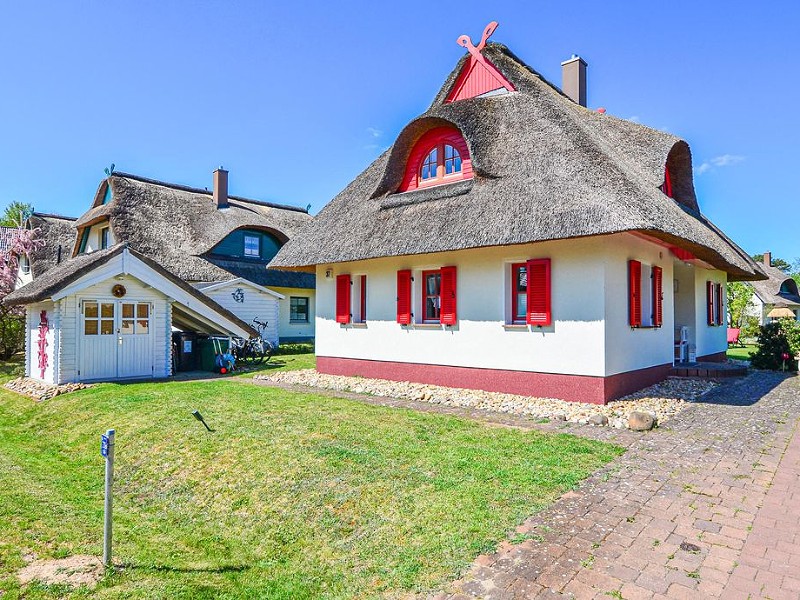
<point>256,350</point>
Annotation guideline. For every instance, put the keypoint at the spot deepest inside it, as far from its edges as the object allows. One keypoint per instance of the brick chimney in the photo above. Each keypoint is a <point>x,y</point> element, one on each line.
<point>221,188</point>
<point>767,259</point>
<point>573,79</point>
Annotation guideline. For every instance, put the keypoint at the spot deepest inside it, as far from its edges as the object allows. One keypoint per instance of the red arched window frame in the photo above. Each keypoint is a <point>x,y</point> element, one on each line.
<point>437,139</point>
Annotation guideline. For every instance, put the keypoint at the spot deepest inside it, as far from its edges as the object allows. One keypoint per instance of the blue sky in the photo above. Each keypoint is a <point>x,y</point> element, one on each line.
<point>296,98</point>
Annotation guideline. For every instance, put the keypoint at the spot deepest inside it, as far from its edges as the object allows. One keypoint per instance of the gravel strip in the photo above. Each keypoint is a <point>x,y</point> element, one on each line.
<point>39,390</point>
<point>663,400</point>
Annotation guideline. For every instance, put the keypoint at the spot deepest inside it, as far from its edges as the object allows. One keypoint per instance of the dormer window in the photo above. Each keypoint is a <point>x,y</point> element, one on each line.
<point>440,156</point>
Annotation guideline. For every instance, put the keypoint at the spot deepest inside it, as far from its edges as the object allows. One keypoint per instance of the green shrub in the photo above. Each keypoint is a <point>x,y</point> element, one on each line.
<point>774,341</point>
<point>295,348</point>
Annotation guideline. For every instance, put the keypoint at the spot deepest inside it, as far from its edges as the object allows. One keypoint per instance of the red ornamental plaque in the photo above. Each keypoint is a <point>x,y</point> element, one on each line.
<point>44,327</point>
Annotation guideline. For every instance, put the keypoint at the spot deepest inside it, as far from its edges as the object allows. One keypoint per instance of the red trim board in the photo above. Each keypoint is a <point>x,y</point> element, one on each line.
<point>574,388</point>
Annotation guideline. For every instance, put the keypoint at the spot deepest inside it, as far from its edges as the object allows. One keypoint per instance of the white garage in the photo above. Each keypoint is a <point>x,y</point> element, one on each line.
<point>109,315</point>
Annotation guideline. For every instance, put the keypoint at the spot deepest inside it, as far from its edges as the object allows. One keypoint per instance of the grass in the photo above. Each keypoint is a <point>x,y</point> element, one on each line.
<point>293,495</point>
<point>741,352</point>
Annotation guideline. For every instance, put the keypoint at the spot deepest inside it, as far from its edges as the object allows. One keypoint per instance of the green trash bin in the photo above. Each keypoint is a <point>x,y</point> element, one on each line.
<point>207,350</point>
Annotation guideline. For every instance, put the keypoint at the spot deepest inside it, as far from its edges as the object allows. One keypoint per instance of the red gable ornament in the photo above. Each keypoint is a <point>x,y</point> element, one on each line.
<point>479,76</point>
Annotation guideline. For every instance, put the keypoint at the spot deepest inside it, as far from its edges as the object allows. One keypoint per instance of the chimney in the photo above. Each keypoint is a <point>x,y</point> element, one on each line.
<point>221,188</point>
<point>573,79</point>
<point>767,259</point>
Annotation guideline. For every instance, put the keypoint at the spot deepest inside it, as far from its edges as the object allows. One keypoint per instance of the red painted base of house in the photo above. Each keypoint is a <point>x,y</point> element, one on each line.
<point>574,388</point>
<point>717,357</point>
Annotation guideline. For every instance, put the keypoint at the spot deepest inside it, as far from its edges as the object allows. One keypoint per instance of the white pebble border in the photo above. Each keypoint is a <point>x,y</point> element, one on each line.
<point>38,390</point>
<point>663,400</point>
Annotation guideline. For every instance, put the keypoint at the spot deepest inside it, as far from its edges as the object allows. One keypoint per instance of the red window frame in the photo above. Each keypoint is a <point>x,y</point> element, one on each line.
<point>634,293</point>
<point>437,138</point>
<point>539,310</point>
<point>667,182</point>
<point>658,296</point>
<point>515,316</point>
<point>426,318</point>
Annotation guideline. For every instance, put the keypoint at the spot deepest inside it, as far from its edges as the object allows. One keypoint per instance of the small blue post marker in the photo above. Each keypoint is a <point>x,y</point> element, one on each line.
<point>107,451</point>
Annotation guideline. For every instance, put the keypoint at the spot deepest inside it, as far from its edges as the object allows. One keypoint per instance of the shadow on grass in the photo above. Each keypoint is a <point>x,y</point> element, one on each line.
<point>174,569</point>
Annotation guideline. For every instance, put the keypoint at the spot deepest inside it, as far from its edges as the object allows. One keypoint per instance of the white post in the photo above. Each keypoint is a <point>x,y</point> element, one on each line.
<point>109,454</point>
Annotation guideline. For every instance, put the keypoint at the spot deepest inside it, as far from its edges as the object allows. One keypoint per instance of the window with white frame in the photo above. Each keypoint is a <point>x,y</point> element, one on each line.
<point>298,309</point>
<point>252,246</point>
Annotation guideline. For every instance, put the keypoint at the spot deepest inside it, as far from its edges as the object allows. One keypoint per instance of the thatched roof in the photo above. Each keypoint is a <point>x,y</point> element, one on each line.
<point>545,168</point>
<point>769,290</point>
<point>177,226</point>
<point>58,233</point>
<point>72,269</point>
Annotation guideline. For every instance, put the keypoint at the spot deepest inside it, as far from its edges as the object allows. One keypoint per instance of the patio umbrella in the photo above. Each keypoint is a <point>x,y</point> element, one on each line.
<point>781,312</point>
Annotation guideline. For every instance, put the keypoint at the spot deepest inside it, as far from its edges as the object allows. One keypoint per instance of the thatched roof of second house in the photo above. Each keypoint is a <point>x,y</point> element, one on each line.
<point>779,288</point>
<point>178,226</point>
<point>58,234</point>
<point>544,168</point>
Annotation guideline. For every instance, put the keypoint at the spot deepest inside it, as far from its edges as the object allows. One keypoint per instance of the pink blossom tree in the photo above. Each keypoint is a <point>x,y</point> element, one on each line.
<point>24,241</point>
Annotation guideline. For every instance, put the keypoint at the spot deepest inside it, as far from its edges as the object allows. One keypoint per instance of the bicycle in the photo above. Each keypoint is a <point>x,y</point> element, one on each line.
<point>255,350</point>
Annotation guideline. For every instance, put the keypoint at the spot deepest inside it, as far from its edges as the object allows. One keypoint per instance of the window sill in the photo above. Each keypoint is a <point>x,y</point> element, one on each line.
<point>515,326</point>
<point>424,326</point>
<point>356,325</point>
<point>647,327</point>
<point>298,322</point>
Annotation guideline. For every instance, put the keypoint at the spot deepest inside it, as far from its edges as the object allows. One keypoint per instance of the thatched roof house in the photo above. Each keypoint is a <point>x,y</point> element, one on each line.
<point>58,234</point>
<point>513,240</point>
<point>180,226</point>
<point>778,290</point>
<point>545,168</point>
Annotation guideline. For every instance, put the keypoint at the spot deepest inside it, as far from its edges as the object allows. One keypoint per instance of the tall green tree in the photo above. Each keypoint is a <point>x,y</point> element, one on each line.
<point>739,297</point>
<point>15,214</point>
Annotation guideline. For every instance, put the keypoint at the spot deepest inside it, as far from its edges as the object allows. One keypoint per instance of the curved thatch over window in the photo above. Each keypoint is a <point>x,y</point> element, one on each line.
<point>254,243</point>
<point>789,287</point>
<point>678,179</point>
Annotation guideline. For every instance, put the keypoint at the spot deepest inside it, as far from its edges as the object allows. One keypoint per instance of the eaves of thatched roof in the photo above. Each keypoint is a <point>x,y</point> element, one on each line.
<point>545,169</point>
<point>178,226</point>
<point>769,290</point>
<point>58,234</point>
<point>72,269</point>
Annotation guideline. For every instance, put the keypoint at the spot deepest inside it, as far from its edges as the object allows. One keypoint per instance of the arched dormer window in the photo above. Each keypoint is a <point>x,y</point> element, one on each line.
<point>440,156</point>
<point>789,287</point>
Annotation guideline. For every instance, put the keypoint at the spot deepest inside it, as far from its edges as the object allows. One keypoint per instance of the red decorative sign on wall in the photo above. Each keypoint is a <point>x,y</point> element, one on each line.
<point>44,327</point>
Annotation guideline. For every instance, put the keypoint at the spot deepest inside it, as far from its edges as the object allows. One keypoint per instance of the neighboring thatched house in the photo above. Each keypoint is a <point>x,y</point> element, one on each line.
<point>58,234</point>
<point>150,259</point>
<point>779,290</point>
<point>513,240</point>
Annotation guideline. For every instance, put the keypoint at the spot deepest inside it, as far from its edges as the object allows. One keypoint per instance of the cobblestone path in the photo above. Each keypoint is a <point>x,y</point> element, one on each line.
<point>706,507</point>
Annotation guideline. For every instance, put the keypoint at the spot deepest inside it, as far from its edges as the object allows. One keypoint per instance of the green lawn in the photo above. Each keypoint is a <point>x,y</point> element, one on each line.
<point>293,496</point>
<point>741,352</point>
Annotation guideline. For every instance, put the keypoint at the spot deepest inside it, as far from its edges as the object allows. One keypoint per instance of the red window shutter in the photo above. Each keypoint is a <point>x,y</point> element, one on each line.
<point>539,309</point>
<point>658,297</point>
<point>709,302</point>
<point>448,296</point>
<point>404,297</point>
<point>363,298</point>
<point>719,304</point>
<point>635,293</point>
<point>667,182</point>
<point>343,298</point>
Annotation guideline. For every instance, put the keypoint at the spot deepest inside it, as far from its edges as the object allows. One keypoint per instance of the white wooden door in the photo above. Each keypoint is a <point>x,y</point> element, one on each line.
<point>116,340</point>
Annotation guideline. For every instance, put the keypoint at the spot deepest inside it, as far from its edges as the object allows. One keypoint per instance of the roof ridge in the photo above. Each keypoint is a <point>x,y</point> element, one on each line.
<point>196,190</point>
<point>53,216</point>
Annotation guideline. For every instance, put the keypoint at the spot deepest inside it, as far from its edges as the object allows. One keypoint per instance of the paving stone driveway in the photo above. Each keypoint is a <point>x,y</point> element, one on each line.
<point>704,507</point>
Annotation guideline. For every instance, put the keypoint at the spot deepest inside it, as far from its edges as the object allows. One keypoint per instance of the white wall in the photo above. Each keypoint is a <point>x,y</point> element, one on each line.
<point>288,328</point>
<point>627,348</point>
<point>575,343</point>
<point>709,339</point>
<point>32,320</point>
<point>255,304</point>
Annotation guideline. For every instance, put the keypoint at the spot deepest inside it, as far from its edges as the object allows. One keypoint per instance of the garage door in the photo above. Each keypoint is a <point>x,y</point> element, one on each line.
<point>116,339</point>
